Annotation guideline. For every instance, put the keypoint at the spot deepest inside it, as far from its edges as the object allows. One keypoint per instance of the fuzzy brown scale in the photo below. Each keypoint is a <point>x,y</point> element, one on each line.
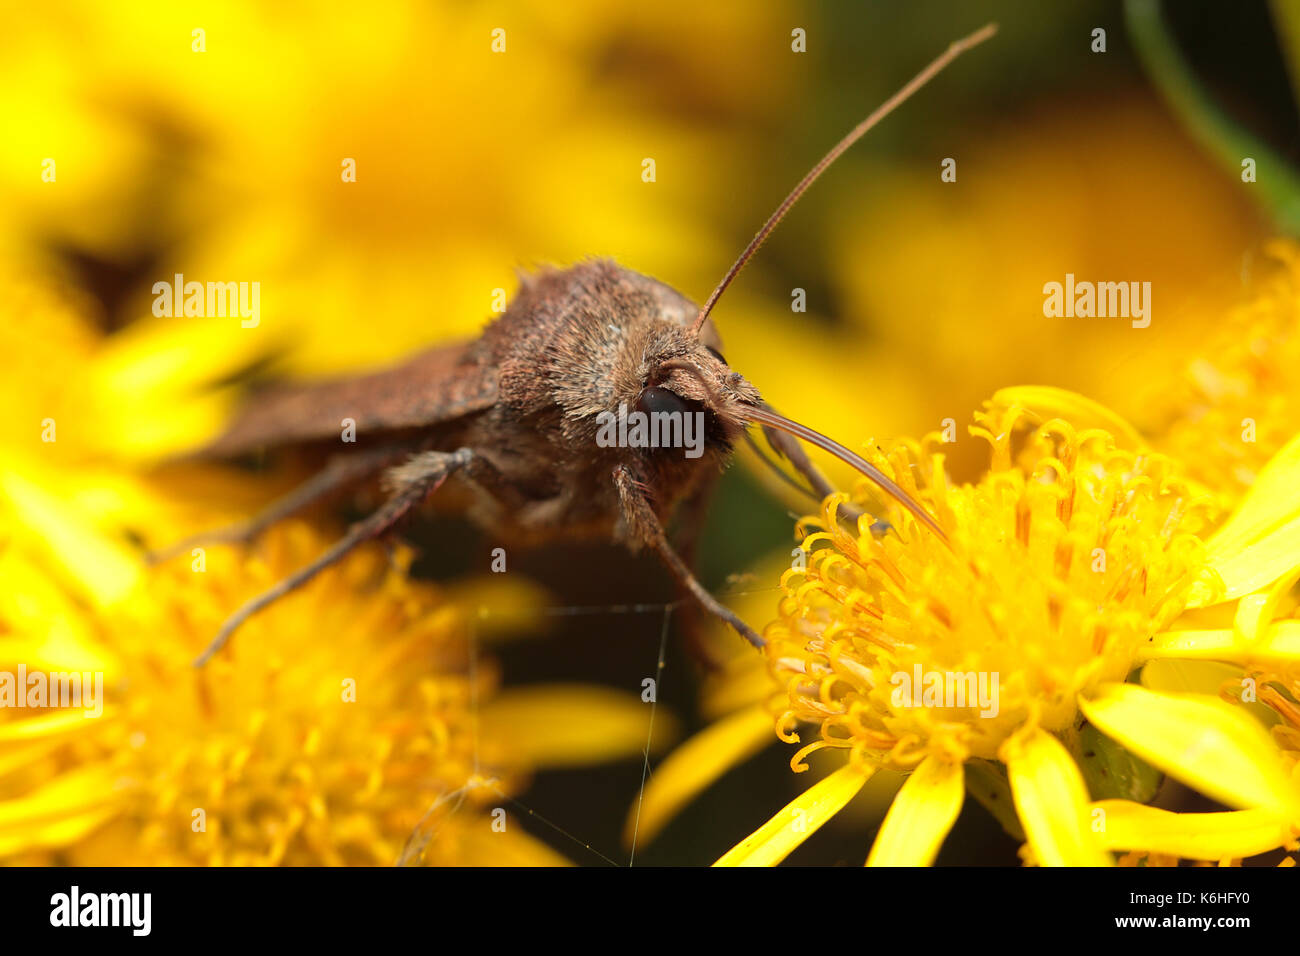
<point>572,344</point>
<point>525,396</point>
<point>511,422</point>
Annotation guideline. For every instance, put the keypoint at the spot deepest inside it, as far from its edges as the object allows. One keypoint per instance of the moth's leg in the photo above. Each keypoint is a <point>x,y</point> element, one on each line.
<point>644,524</point>
<point>776,469</point>
<point>486,475</point>
<point>410,484</point>
<point>690,525</point>
<point>790,448</point>
<point>691,517</point>
<point>339,472</point>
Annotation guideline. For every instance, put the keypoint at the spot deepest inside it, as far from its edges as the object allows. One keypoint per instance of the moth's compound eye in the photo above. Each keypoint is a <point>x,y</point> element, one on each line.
<point>655,399</point>
<point>716,354</point>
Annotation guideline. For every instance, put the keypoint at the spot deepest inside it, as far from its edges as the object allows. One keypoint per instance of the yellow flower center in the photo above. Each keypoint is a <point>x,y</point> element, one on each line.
<point>337,725</point>
<point>1064,558</point>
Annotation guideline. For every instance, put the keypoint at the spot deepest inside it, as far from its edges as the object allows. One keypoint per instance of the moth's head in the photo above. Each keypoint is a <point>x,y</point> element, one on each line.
<point>678,372</point>
<point>602,348</point>
<point>598,340</point>
<point>618,343</point>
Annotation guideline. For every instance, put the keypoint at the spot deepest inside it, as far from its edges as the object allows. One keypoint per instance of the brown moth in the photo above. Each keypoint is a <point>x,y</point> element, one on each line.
<point>513,418</point>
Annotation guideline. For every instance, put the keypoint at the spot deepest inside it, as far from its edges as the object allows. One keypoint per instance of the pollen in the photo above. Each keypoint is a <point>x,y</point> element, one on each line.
<point>1065,557</point>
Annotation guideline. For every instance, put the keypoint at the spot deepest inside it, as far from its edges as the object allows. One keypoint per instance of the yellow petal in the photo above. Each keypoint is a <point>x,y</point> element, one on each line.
<point>480,845</point>
<point>154,381</point>
<point>48,627</point>
<point>57,813</point>
<point>48,724</point>
<point>1270,502</point>
<point>574,725</point>
<point>1256,611</point>
<point>1260,542</point>
<point>507,607</point>
<point>1215,645</point>
<point>1204,742</point>
<point>156,354</point>
<point>1045,402</point>
<point>1172,676</point>
<point>1052,802</point>
<point>1252,566</point>
<point>921,815</point>
<point>14,757</point>
<point>1278,646</point>
<point>53,834</point>
<point>694,765</point>
<point>743,681</point>
<point>104,570</point>
<point>1194,836</point>
<point>777,838</point>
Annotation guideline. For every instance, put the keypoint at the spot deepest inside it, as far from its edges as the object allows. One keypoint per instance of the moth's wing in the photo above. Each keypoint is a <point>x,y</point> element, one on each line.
<point>436,386</point>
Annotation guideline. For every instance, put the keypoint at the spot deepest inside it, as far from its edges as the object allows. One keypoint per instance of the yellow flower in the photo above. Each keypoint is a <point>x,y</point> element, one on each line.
<point>1068,198</point>
<point>351,717</point>
<point>259,757</point>
<point>1068,561</point>
<point>1242,375</point>
<point>66,499</point>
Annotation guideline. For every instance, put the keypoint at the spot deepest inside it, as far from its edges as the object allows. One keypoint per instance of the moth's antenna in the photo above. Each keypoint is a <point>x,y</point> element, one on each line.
<point>954,50</point>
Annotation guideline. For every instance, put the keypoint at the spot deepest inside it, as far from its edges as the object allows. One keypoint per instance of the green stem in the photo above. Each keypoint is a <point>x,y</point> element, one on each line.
<point>987,783</point>
<point>1286,14</point>
<point>1277,188</point>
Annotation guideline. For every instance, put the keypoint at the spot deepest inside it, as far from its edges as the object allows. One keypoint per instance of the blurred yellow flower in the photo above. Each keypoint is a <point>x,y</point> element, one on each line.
<point>380,204</point>
<point>1237,402</point>
<point>940,285</point>
<point>325,734</point>
<point>66,498</point>
<point>265,742</point>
